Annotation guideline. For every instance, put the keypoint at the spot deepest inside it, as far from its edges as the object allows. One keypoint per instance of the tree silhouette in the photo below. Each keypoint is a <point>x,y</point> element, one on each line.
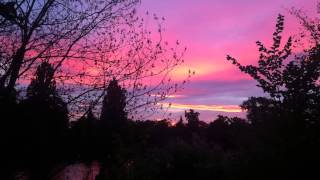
<point>292,86</point>
<point>45,116</point>
<point>269,72</point>
<point>286,121</point>
<point>114,104</point>
<point>260,110</point>
<point>301,79</point>
<point>193,119</point>
<point>42,97</point>
<point>43,85</point>
<point>43,123</point>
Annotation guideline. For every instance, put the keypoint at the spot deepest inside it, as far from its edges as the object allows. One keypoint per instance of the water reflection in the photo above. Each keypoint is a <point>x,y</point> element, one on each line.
<point>78,171</point>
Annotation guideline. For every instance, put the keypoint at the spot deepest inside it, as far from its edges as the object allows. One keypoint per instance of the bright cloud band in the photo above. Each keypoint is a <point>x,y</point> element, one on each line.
<point>217,108</point>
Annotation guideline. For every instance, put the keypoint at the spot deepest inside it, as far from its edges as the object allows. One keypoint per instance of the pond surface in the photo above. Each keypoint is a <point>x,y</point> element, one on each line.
<point>78,171</point>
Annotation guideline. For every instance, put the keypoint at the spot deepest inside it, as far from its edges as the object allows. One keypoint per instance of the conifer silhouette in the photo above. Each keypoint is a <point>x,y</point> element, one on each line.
<point>114,104</point>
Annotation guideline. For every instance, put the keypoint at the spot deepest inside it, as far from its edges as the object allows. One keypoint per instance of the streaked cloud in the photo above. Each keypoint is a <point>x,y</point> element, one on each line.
<point>216,108</point>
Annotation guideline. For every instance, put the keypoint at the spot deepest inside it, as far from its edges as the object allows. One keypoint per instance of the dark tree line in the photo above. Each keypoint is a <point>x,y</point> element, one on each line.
<point>279,139</point>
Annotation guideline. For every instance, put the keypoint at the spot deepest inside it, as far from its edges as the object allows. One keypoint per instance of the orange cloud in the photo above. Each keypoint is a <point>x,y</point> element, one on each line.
<point>217,108</point>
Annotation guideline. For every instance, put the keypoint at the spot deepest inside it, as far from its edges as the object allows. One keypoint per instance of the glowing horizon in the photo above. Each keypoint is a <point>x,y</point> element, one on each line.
<point>211,29</point>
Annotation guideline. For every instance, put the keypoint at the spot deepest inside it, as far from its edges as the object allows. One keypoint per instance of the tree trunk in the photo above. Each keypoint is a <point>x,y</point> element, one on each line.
<point>15,68</point>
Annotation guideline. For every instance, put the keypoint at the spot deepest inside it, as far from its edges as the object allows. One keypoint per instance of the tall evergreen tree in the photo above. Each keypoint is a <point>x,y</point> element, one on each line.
<point>114,104</point>
<point>45,108</point>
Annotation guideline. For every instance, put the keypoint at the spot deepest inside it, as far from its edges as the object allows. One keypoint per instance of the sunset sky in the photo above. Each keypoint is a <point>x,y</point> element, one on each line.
<point>211,29</point>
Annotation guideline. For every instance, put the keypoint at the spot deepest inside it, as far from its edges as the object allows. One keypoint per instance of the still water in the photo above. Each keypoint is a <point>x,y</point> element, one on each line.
<point>79,171</point>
